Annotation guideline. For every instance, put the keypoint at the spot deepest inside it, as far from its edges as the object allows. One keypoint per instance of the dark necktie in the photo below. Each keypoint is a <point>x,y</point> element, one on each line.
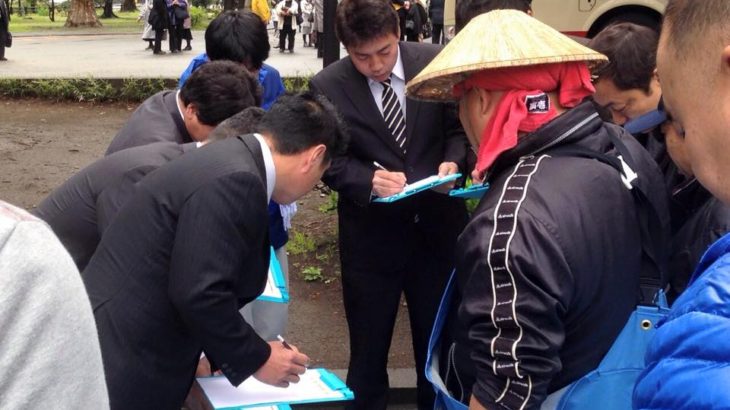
<point>393,114</point>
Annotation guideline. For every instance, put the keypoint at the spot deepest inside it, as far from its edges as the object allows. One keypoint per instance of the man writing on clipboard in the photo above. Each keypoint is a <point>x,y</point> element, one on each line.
<point>401,247</point>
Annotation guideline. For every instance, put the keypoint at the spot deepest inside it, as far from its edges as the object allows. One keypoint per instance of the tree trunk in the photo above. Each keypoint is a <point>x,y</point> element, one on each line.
<point>229,4</point>
<point>129,5</point>
<point>82,14</point>
<point>108,11</point>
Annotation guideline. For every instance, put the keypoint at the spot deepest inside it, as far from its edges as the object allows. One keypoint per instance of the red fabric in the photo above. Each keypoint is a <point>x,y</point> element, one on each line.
<point>572,81</point>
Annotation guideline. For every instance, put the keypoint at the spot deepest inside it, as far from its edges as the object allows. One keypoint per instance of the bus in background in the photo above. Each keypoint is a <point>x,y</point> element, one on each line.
<point>582,18</point>
<point>585,18</point>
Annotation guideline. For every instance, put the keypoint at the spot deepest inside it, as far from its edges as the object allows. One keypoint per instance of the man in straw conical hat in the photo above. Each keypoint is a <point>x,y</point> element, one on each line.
<point>548,268</point>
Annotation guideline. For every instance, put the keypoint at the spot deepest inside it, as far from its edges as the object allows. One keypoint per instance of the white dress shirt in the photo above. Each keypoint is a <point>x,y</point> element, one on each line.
<point>269,165</point>
<point>397,82</point>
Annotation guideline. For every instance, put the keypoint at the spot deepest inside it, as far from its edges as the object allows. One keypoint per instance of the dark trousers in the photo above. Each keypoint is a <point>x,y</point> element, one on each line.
<point>158,40</point>
<point>402,15</point>
<point>371,302</point>
<point>3,33</point>
<point>436,32</point>
<point>175,36</point>
<point>286,34</point>
<point>320,44</point>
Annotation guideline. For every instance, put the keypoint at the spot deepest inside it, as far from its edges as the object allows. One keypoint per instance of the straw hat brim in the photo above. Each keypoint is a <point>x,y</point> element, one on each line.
<point>511,39</point>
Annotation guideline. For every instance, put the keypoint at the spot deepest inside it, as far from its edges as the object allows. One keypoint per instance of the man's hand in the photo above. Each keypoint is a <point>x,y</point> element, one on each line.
<point>475,405</point>
<point>386,183</point>
<point>446,168</point>
<point>477,177</point>
<point>283,367</point>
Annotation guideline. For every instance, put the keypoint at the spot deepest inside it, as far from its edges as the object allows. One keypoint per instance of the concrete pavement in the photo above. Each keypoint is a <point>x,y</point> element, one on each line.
<point>124,56</point>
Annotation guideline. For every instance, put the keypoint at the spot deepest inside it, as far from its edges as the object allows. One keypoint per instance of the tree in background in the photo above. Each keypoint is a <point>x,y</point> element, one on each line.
<point>108,11</point>
<point>129,5</point>
<point>82,14</point>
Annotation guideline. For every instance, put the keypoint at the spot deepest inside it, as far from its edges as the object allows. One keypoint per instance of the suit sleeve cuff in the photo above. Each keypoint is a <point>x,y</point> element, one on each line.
<point>257,354</point>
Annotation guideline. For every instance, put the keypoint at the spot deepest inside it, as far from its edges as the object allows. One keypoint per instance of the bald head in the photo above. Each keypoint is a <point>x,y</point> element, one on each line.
<point>690,23</point>
<point>693,62</point>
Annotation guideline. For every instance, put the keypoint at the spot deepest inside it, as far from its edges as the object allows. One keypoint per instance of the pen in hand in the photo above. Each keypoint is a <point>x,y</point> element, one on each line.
<point>377,165</point>
<point>283,342</point>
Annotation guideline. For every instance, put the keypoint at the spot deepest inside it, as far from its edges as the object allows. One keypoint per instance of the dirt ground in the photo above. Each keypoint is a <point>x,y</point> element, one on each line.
<point>42,143</point>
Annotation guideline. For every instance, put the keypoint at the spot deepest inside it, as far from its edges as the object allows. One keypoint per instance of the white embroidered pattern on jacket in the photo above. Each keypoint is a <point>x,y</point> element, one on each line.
<point>518,388</point>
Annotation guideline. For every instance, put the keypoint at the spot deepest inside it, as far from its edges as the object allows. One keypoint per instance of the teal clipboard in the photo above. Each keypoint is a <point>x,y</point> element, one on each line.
<point>275,290</point>
<point>419,186</point>
<point>222,396</point>
<point>474,191</point>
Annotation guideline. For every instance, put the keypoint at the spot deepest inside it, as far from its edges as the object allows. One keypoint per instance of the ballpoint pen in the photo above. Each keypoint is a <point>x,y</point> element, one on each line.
<point>377,165</point>
<point>283,342</point>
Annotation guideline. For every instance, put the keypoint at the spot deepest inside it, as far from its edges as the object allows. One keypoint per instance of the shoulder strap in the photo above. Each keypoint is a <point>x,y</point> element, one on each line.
<point>653,276</point>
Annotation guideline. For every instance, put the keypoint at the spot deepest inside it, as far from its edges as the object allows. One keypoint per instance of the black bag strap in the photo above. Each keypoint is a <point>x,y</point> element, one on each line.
<point>652,278</point>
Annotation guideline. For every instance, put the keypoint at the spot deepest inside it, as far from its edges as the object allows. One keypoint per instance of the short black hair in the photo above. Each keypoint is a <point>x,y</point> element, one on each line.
<point>240,36</point>
<point>690,20</point>
<point>219,89</point>
<point>631,51</point>
<point>466,10</point>
<point>244,122</point>
<point>297,122</point>
<point>360,21</point>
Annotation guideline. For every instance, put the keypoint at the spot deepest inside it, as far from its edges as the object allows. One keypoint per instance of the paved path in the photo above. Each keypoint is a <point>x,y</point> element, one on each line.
<point>123,56</point>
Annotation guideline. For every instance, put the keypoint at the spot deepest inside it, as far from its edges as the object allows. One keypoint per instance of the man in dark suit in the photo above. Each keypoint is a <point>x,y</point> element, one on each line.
<point>190,113</point>
<point>191,247</point>
<point>401,247</point>
<point>80,210</point>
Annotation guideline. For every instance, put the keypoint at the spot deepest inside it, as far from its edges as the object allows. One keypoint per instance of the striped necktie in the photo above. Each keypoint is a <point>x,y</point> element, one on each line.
<point>393,114</point>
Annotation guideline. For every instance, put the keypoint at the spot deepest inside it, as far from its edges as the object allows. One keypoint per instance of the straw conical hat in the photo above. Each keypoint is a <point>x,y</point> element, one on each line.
<point>498,39</point>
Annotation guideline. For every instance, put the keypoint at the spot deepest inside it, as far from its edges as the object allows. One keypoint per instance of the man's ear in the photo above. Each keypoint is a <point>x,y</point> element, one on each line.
<point>190,111</point>
<point>314,157</point>
<point>726,60</point>
<point>485,98</point>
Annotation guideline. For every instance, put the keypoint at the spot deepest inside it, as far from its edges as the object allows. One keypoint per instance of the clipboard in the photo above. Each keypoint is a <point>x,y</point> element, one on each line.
<point>275,289</point>
<point>474,191</point>
<point>315,386</point>
<point>418,186</point>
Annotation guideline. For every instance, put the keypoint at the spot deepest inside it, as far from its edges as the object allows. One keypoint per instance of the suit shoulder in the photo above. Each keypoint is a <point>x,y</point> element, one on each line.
<point>426,50</point>
<point>331,72</point>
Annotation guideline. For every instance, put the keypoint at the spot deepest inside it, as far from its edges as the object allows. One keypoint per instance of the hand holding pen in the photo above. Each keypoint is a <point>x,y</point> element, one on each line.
<point>387,183</point>
<point>284,365</point>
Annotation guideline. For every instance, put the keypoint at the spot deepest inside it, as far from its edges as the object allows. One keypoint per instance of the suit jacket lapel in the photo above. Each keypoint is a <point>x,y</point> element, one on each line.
<point>410,65</point>
<point>362,100</point>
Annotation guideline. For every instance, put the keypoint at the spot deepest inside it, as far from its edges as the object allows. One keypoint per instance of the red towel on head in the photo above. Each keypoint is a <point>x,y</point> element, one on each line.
<point>524,106</point>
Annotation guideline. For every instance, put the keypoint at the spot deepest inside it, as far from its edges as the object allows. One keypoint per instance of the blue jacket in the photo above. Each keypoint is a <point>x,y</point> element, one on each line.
<point>269,78</point>
<point>688,361</point>
<point>273,87</point>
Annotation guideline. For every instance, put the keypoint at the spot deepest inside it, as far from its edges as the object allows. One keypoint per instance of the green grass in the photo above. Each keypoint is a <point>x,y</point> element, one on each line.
<point>125,23</point>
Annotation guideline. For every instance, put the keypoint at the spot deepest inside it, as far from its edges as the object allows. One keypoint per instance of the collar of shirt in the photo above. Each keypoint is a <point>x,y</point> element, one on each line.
<point>397,81</point>
<point>269,165</point>
<point>178,101</point>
